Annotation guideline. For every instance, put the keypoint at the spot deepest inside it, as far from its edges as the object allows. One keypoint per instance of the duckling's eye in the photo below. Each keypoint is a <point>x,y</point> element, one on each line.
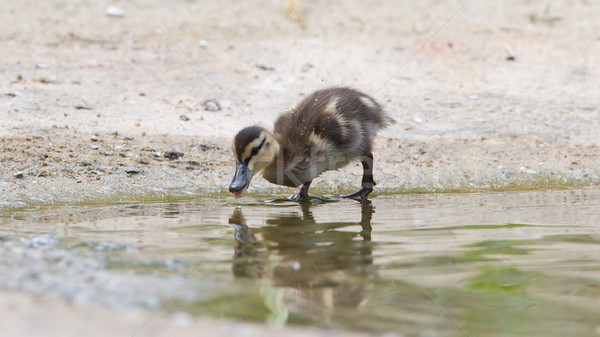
<point>257,148</point>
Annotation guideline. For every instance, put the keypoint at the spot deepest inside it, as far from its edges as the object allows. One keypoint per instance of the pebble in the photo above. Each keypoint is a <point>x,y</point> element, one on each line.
<point>212,105</point>
<point>94,147</point>
<point>155,154</point>
<point>115,11</point>
<point>264,67</point>
<point>527,170</point>
<point>173,154</point>
<point>184,118</point>
<point>203,43</point>
<point>44,174</point>
<point>118,148</point>
<point>49,79</point>
<point>18,175</point>
<point>511,53</point>
<point>41,66</point>
<point>132,170</point>
<point>474,97</point>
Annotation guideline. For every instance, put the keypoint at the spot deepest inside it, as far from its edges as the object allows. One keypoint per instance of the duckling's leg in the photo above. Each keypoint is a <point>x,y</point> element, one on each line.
<point>367,180</point>
<point>303,193</point>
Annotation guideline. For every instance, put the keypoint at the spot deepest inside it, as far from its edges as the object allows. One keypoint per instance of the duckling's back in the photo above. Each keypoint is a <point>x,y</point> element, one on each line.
<point>344,117</point>
<point>337,124</point>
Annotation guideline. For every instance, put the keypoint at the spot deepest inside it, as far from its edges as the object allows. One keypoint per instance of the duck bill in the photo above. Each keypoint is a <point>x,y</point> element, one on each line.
<point>241,180</point>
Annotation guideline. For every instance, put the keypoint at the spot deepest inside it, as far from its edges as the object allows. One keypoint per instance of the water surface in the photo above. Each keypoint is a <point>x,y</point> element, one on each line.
<point>510,264</point>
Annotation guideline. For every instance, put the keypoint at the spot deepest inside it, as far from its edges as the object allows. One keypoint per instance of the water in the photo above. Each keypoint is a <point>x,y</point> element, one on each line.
<point>510,264</point>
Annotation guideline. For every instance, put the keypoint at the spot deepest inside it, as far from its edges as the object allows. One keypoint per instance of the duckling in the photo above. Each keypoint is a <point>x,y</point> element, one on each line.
<point>325,131</point>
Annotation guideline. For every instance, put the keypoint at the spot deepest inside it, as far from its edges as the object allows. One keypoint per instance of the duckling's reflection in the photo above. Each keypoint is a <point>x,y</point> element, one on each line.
<point>320,267</point>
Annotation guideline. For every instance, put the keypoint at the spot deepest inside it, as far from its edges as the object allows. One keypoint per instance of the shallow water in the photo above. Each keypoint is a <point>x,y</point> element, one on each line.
<point>510,264</point>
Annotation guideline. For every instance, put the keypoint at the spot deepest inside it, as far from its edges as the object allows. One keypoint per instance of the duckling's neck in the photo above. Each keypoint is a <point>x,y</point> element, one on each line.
<point>275,168</point>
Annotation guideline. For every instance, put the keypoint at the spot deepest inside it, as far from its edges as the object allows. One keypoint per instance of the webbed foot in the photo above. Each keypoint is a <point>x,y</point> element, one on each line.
<point>360,195</point>
<point>299,196</point>
<point>302,193</point>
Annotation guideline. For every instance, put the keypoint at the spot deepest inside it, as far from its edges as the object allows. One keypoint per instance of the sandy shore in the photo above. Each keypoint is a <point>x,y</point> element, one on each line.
<point>502,96</point>
<point>490,102</point>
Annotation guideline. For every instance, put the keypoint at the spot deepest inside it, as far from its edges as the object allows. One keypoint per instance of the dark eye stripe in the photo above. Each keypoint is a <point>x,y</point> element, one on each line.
<point>256,149</point>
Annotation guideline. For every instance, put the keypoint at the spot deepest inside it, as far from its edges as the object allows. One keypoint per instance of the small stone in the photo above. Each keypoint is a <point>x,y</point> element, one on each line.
<point>44,174</point>
<point>511,53</point>
<point>264,67</point>
<point>132,170</point>
<point>212,105</point>
<point>18,175</point>
<point>49,79</point>
<point>184,118</point>
<point>203,43</point>
<point>527,170</point>
<point>173,154</point>
<point>94,147</point>
<point>119,148</point>
<point>474,97</point>
<point>115,11</point>
<point>94,138</point>
<point>155,154</point>
<point>41,66</point>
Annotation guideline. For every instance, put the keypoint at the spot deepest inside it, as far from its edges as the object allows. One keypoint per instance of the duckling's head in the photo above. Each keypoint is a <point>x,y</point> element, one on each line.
<point>254,149</point>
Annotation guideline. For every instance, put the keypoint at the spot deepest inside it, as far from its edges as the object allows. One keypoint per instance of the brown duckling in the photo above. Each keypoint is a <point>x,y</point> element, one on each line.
<point>326,131</point>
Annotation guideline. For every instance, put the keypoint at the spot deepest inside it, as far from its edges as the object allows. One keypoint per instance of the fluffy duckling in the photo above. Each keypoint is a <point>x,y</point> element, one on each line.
<point>326,131</point>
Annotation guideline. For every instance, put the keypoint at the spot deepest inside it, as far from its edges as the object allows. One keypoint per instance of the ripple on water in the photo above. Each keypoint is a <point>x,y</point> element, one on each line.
<point>493,264</point>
